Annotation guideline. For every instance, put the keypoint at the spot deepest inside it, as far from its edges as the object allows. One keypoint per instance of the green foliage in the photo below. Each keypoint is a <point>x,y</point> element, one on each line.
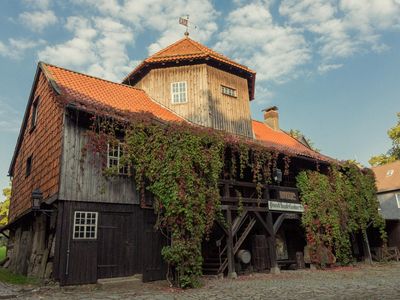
<point>297,134</point>
<point>336,205</point>
<point>4,206</point>
<point>7,277</point>
<point>181,166</point>
<point>2,252</point>
<point>394,153</point>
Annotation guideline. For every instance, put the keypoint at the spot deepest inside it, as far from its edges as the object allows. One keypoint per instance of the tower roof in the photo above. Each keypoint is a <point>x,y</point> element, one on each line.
<point>188,50</point>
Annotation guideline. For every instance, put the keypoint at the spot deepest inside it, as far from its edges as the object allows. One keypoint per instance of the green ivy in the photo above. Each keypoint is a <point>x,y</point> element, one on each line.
<point>336,205</point>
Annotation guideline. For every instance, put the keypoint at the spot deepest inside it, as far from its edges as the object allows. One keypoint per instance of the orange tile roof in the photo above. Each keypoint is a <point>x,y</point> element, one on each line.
<point>124,98</point>
<point>98,91</point>
<point>283,141</point>
<point>388,176</point>
<point>185,49</point>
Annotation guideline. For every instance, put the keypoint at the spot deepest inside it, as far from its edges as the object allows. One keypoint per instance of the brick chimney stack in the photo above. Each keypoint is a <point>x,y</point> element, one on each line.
<point>271,117</point>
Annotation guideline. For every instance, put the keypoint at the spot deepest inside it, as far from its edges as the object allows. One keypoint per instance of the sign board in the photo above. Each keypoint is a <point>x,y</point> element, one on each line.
<point>287,195</point>
<point>285,206</point>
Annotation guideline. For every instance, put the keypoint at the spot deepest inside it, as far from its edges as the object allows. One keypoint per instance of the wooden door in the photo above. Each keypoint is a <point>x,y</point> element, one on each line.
<point>154,267</point>
<point>117,246</point>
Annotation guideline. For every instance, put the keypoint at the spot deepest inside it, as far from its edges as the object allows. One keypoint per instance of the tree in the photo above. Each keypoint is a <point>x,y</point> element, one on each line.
<point>298,135</point>
<point>4,206</point>
<point>394,153</point>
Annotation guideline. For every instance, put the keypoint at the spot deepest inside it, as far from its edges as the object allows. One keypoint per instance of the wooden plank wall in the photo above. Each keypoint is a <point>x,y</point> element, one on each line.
<point>81,180</point>
<point>206,105</point>
<point>157,84</point>
<point>228,113</point>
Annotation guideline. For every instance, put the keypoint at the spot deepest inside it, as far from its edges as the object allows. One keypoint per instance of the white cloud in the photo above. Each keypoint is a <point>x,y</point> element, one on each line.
<point>16,48</point>
<point>10,118</point>
<point>38,4</point>
<point>328,67</point>
<point>100,44</point>
<point>98,47</point>
<point>38,20</point>
<point>252,37</point>
<point>343,29</point>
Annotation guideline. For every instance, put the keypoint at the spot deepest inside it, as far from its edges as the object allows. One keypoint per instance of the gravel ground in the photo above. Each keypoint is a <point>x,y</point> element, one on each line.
<point>380,281</point>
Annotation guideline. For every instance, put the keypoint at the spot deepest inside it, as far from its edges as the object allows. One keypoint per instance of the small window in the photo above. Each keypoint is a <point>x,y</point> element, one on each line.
<point>389,173</point>
<point>28,166</point>
<point>85,225</point>
<point>398,199</point>
<point>34,114</point>
<point>228,91</point>
<point>115,152</point>
<point>179,92</point>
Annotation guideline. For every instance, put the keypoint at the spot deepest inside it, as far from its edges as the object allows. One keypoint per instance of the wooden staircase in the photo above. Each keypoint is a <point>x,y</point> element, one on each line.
<point>241,227</point>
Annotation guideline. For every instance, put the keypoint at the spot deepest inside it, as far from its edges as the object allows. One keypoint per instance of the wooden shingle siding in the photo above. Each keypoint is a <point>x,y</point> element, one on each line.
<point>43,143</point>
<point>231,114</point>
<point>206,105</point>
<point>157,84</point>
<point>81,176</point>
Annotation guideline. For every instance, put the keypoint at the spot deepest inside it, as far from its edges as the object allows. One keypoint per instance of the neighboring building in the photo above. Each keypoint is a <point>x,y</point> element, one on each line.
<point>388,185</point>
<point>89,227</point>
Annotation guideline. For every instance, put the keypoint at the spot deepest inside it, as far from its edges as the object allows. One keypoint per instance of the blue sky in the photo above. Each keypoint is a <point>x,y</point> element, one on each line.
<point>332,67</point>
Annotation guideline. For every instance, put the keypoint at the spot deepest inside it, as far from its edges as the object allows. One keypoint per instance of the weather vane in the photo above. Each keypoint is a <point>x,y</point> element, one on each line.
<point>185,22</point>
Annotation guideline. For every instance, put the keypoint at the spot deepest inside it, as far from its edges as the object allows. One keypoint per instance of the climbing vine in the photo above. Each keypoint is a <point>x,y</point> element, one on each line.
<point>181,166</point>
<point>337,205</point>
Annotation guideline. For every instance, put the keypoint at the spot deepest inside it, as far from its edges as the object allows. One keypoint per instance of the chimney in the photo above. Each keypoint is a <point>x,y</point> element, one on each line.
<point>271,117</point>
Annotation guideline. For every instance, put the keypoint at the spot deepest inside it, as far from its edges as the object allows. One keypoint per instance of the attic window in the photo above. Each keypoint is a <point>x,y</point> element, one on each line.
<point>179,92</point>
<point>34,113</point>
<point>28,166</point>
<point>389,173</point>
<point>228,91</point>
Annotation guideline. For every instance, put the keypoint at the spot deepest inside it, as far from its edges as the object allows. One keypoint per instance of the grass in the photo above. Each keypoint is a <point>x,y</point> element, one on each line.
<point>2,252</point>
<point>8,277</point>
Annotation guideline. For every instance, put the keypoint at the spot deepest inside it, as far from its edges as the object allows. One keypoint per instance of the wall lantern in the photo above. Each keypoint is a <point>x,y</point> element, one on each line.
<point>37,197</point>
<point>277,175</point>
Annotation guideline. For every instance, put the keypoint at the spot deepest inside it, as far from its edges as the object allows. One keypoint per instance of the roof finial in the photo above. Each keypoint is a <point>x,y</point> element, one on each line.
<point>185,22</point>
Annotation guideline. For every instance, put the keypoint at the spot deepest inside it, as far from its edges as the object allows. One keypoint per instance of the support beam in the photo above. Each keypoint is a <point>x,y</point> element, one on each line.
<point>229,243</point>
<point>267,228</point>
<point>283,217</point>
<point>272,246</point>
<point>367,249</point>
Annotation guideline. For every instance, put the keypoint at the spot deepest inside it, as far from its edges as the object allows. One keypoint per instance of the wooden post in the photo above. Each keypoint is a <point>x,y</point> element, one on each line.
<point>272,245</point>
<point>367,250</point>
<point>229,241</point>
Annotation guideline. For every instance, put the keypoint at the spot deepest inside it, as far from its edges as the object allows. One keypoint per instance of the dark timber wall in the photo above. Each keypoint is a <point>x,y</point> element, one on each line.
<point>81,176</point>
<point>126,244</point>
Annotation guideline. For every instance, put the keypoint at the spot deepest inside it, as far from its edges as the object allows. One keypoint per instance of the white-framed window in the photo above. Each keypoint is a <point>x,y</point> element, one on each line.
<point>114,154</point>
<point>398,199</point>
<point>179,92</point>
<point>228,91</point>
<point>85,225</point>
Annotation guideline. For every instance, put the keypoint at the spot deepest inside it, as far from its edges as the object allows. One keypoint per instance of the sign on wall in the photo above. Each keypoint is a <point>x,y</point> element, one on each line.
<point>285,206</point>
<point>288,195</point>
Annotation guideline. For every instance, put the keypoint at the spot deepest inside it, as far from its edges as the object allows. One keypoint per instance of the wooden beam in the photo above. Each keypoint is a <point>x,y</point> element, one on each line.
<point>222,226</point>
<point>271,243</point>
<point>229,243</point>
<point>283,217</point>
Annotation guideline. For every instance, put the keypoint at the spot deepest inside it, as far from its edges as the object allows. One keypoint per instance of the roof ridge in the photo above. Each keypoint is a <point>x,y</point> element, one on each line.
<point>90,76</point>
<point>166,48</point>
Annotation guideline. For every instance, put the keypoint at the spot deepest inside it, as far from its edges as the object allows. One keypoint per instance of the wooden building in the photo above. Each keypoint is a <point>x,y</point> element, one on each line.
<point>70,223</point>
